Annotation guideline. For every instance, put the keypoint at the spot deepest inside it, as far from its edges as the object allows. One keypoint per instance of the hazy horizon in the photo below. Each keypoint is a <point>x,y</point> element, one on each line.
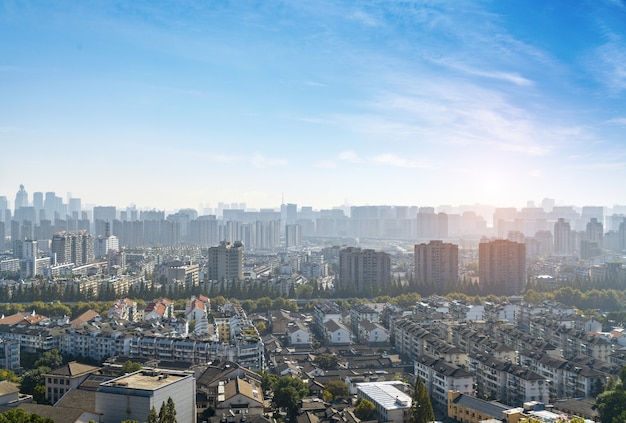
<point>170,105</point>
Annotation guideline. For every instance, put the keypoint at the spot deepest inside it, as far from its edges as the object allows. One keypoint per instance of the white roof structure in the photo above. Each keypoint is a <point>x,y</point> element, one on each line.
<point>386,394</point>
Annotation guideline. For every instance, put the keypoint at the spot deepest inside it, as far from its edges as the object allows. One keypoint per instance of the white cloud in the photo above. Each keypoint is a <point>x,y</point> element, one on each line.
<point>511,77</point>
<point>350,157</point>
<point>616,121</point>
<point>260,161</point>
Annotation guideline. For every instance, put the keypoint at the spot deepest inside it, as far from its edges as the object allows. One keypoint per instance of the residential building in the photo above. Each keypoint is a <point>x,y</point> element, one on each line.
<point>226,262</point>
<point>440,376</point>
<point>437,265</point>
<point>69,376</point>
<point>363,271</point>
<point>502,267</point>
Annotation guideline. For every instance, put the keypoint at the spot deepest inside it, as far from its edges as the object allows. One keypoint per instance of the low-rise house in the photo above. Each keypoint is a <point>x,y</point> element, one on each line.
<point>337,333</point>
<point>69,376</point>
<point>299,334</point>
<point>241,397</point>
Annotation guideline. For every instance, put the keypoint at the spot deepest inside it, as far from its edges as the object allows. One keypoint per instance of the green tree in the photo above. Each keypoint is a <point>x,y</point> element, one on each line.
<point>421,410</point>
<point>153,417</point>
<point>287,394</point>
<point>167,414</point>
<point>364,409</point>
<point>18,415</point>
<point>326,361</point>
<point>52,359</point>
<point>337,388</point>
<point>131,366</point>
<point>33,378</point>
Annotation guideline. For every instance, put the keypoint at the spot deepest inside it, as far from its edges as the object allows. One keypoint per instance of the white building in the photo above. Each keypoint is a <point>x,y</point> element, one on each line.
<point>390,399</point>
<point>132,396</point>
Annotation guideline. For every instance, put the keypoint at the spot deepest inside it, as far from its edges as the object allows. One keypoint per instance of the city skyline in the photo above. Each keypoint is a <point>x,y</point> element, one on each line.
<point>169,106</point>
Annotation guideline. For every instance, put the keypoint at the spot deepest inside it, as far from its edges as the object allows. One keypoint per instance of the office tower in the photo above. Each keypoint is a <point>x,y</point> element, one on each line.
<point>2,236</point>
<point>594,231</point>
<point>203,231</point>
<point>437,265</point>
<point>291,214</point>
<point>363,271</point>
<point>431,225</point>
<point>563,238</point>
<point>21,198</point>
<point>293,235</point>
<point>501,267</point>
<point>75,208</point>
<point>5,212</point>
<point>592,212</point>
<point>226,261</point>
<point>105,213</point>
<point>38,205</point>
<point>50,206</point>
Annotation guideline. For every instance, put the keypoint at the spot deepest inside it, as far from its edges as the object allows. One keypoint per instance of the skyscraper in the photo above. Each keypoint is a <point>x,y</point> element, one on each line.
<point>501,267</point>
<point>21,198</point>
<point>364,271</point>
<point>437,265</point>
<point>563,239</point>
<point>226,262</point>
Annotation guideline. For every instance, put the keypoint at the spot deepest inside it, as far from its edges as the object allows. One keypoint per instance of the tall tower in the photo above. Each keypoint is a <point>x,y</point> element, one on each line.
<point>563,239</point>
<point>226,262</point>
<point>437,265</point>
<point>21,198</point>
<point>502,267</point>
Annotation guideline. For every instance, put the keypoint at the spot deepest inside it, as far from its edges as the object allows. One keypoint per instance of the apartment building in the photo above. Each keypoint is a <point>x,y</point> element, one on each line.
<point>440,376</point>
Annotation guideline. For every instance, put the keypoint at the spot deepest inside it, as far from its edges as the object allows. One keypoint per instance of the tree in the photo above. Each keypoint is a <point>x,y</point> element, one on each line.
<point>52,359</point>
<point>131,366</point>
<point>287,394</point>
<point>18,415</point>
<point>421,410</point>
<point>337,388</point>
<point>32,378</point>
<point>364,409</point>
<point>326,361</point>
<point>167,414</point>
<point>153,417</point>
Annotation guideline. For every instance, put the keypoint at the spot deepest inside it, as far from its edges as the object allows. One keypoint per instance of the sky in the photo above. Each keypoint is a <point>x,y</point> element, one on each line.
<point>320,103</point>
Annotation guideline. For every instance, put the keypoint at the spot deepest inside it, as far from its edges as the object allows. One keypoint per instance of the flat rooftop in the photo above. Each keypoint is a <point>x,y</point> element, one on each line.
<point>149,380</point>
<point>386,394</point>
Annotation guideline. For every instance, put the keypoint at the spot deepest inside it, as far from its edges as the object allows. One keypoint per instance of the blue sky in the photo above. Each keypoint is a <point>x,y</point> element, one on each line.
<point>177,104</point>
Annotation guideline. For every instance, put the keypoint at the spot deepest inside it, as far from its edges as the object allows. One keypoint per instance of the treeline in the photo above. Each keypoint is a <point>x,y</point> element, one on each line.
<point>606,300</point>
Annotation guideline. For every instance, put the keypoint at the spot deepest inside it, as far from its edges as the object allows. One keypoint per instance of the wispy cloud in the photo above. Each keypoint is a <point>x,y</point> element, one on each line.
<point>364,18</point>
<point>608,65</point>
<point>616,121</point>
<point>314,84</point>
<point>260,161</point>
<point>382,159</point>
<point>511,77</point>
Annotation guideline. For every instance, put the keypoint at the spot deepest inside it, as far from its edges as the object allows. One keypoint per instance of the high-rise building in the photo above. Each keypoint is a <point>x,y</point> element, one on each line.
<point>75,247</point>
<point>21,198</point>
<point>50,206</point>
<point>594,231</point>
<point>293,234</point>
<point>226,262</point>
<point>501,267</point>
<point>4,210</point>
<point>431,225</point>
<point>364,271</point>
<point>563,238</point>
<point>437,265</point>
